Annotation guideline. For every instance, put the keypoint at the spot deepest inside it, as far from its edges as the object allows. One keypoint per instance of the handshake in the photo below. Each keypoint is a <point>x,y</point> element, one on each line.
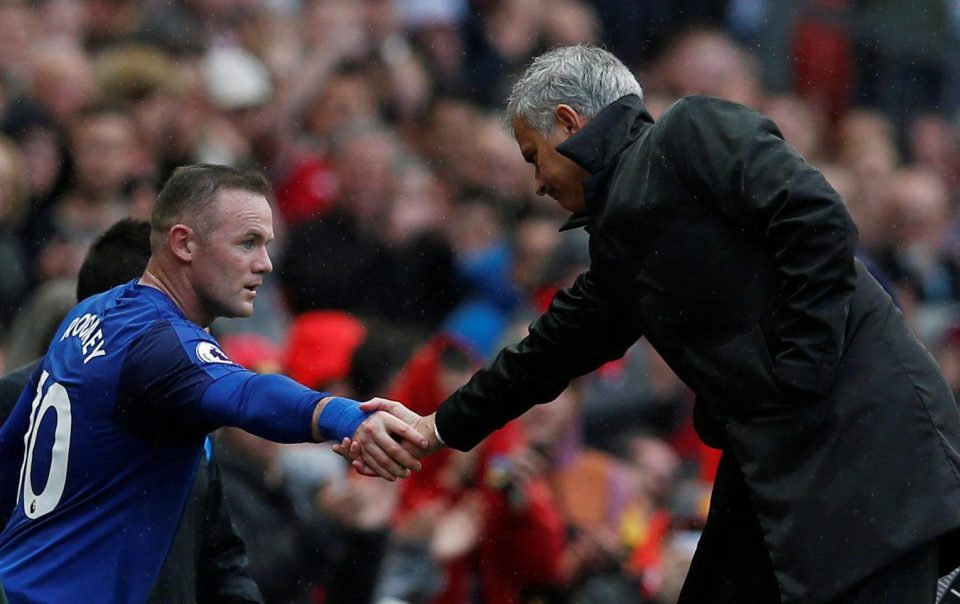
<point>390,441</point>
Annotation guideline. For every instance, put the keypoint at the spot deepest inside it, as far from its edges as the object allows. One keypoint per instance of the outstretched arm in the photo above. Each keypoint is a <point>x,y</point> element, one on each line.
<point>581,330</point>
<point>192,394</point>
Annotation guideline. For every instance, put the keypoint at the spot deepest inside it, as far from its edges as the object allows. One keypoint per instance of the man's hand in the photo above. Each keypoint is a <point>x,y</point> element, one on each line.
<point>384,445</point>
<point>355,449</point>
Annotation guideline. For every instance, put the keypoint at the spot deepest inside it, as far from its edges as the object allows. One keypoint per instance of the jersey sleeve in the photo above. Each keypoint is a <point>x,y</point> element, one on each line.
<point>272,406</point>
<point>177,385</point>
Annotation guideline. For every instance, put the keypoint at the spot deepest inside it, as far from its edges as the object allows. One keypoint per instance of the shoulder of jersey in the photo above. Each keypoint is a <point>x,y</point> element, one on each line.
<point>209,352</point>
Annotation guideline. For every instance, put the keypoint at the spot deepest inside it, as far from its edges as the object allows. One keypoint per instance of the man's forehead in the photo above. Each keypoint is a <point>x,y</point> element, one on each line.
<point>246,210</point>
<point>238,202</point>
<point>529,141</point>
<point>523,132</point>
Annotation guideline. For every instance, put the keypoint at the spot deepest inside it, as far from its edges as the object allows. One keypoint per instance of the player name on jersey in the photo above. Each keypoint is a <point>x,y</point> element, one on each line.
<point>86,328</point>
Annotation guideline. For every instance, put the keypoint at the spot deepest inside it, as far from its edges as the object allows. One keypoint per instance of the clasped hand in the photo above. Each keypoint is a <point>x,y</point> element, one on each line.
<point>389,443</point>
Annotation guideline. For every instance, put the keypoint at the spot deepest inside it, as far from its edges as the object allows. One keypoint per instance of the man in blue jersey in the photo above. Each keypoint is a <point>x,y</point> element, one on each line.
<point>99,454</point>
<point>207,561</point>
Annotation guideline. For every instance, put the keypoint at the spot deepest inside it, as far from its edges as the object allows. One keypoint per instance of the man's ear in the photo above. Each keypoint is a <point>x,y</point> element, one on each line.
<point>568,119</point>
<point>182,241</point>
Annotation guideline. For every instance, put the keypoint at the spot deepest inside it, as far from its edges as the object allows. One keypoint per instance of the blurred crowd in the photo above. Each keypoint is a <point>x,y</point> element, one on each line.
<point>411,246</point>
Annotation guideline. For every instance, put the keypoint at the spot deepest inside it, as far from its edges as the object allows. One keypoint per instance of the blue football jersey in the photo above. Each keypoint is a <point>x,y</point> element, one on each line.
<point>99,455</point>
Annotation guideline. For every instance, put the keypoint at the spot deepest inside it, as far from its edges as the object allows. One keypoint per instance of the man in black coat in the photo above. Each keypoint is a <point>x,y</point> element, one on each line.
<point>207,561</point>
<point>714,239</point>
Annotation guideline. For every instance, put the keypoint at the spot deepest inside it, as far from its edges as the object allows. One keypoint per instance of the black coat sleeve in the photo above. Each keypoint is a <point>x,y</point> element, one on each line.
<point>11,387</point>
<point>735,160</point>
<point>222,574</point>
<point>580,331</point>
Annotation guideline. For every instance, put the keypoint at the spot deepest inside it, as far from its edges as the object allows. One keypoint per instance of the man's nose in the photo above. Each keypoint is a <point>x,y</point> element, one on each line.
<point>263,263</point>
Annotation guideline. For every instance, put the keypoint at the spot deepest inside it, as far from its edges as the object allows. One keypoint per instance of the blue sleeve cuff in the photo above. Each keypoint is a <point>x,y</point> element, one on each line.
<point>340,418</point>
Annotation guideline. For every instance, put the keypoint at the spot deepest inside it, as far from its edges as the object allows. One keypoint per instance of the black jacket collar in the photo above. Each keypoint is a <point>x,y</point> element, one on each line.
<point>598,144</point>
<point>607,134</point>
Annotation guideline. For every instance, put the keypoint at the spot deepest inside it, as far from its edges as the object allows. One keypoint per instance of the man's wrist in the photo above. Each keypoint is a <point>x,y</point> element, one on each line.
<point>436,432</point>
<point>339,418</point>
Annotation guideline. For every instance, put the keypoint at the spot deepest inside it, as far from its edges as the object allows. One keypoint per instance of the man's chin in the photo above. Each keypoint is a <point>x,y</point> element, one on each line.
<point>571,205</point>
<point>241,312</point>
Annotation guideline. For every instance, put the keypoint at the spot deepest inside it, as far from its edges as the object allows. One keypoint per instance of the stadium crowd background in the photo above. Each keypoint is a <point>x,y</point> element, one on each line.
<point>411,246</point>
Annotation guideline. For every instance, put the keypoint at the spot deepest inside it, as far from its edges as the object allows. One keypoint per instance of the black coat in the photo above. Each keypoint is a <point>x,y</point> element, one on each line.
<point>714,239</point>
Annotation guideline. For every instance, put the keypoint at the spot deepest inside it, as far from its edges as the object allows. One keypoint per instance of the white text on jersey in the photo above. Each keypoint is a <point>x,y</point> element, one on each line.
<point>87,329</point>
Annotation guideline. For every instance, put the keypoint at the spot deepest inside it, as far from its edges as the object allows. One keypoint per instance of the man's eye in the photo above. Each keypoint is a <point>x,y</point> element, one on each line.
<point>248,244</point>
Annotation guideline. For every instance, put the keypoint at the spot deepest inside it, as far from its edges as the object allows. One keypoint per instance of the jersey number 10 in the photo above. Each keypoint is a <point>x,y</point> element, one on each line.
<point>35,504</point>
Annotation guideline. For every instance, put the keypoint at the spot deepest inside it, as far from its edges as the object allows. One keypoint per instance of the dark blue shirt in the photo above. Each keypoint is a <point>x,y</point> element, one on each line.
<point>99,455</point>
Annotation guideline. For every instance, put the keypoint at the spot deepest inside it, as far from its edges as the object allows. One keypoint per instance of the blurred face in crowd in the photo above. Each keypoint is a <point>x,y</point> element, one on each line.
<point>346,97</point>
<point>797,121</point>
<point>17,28</point>
<point>452,377</point>
<point>65,20</point>
<point>949,360</point>
<point>474,226</point>
<point>932,141</point>
<point>42,159</point>
<point>103,147</point>
<point>919,207</point>
<point>534,240</point>
<point>492,162</point>
<point>62,82</point>
<point>570,22</point>
<point>710,62</point>
<point>555,174</point>
<point>364,166</point>
<point>230,260</point>
<point>420,205</point>
<point>450,122</point>
<point>657,464</point>
<point>545,425</point>
<point>13,185</point>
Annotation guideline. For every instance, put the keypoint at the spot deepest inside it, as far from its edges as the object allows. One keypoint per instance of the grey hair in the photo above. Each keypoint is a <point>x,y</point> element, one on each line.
<point>586,77</point>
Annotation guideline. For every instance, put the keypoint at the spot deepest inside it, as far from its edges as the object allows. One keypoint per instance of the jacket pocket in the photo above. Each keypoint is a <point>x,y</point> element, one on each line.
<point>735,377</point>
